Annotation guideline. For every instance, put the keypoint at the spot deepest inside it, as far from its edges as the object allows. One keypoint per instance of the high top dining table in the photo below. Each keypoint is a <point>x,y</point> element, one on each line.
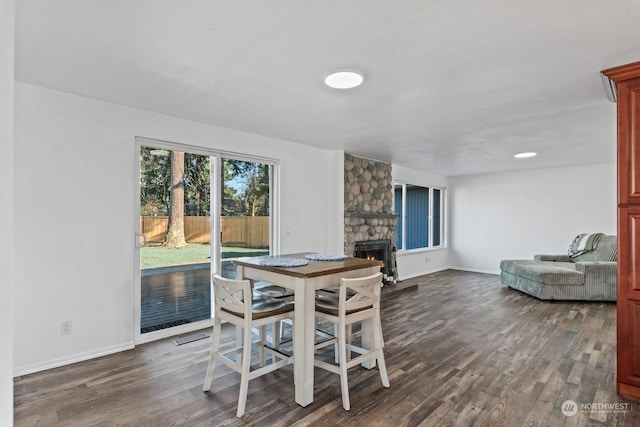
<point>305,280</point>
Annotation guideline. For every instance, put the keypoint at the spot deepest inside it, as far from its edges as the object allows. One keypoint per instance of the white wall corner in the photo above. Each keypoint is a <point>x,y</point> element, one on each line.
<point>7,142</point>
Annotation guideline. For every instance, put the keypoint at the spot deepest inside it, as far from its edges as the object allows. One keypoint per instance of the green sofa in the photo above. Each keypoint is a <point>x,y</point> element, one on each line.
<point>587,275</point>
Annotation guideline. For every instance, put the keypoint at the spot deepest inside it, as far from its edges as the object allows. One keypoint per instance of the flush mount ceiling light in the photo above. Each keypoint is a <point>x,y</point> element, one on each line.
<point>525,155</point>
<point>344,79</point>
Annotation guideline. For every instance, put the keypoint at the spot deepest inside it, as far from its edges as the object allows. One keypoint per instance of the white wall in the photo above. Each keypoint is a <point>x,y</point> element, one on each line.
<point>74,215</point>
<point>520,214</point>
<point>7,15</point>
<point>415,263</point>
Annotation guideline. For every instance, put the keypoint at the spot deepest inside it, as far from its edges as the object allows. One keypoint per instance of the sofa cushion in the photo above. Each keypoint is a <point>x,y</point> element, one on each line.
<point>545,272</point>
<point>606,250</point>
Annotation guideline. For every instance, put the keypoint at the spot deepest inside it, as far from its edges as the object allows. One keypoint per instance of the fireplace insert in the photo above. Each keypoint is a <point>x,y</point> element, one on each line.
<point>382,250</point>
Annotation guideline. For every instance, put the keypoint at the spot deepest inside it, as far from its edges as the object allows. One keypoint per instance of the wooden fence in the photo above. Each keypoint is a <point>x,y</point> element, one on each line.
<point>242,231</point>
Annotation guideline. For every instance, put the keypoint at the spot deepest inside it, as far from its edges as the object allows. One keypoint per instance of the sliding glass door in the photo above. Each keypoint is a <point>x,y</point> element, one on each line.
<point>180,190</point>
<point>174,238</point>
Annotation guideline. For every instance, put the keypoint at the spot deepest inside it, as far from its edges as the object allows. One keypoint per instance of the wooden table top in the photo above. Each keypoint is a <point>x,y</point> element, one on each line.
<point>312,269</point>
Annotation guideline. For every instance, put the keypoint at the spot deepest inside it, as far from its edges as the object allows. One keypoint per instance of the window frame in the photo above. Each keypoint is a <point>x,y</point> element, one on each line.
<point>402,216</point>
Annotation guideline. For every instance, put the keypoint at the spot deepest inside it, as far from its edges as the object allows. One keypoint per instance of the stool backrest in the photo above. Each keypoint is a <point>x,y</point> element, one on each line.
<point>231,295</point>
<point>365,293</point>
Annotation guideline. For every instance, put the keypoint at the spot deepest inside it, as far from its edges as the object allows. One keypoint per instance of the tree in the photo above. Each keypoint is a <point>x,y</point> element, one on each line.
<point>175,234</point>
<point>256,195</point>
<point>197,185</point>
<point>246,188</point>
<point>155,181</point>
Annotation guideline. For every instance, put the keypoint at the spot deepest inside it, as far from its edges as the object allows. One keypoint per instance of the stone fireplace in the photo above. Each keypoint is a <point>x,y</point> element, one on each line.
<point>368,210</point>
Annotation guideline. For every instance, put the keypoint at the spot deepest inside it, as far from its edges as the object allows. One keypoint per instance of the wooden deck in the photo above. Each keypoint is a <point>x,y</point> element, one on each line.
<point>175,297</point>
<point>461,350</point>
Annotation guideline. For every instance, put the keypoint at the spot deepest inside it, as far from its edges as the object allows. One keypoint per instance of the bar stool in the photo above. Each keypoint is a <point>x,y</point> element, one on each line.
<point>274,291</point>
<point>230,305</point>
<point>344,310</point>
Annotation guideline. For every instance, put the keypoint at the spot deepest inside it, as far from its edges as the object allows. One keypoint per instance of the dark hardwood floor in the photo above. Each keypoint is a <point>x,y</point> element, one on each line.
<point>461,350</point>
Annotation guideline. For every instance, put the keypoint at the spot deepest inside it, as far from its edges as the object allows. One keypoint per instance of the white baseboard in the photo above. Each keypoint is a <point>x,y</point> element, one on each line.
<point>68,360</point>
<point>475,270</point>
<point>422,273</point>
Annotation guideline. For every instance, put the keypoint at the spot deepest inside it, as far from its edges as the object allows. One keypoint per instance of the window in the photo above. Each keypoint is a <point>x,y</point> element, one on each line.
<point>420,216</point>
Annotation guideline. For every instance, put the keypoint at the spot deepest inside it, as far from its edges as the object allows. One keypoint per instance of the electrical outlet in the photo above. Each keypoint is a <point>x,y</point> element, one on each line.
<point>65,327</point>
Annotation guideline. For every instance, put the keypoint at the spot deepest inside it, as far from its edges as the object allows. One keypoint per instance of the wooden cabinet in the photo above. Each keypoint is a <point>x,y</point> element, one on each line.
<point>628,306</point>
<point>627,83</point>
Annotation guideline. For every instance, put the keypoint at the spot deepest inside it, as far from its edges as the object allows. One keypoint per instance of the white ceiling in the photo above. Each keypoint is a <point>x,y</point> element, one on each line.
<point>451,87</point>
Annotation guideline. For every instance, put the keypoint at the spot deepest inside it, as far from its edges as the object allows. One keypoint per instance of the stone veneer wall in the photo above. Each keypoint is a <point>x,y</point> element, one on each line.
<point>368,201</point>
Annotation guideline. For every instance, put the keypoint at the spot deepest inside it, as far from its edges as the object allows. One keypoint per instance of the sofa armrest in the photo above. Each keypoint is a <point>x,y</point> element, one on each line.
<point>601,268</point>
<point>600,279</point>
<point>555,258</point>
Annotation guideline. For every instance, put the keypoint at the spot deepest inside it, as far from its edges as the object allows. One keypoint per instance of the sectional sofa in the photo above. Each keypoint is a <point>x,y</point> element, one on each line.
<point>588,275</point>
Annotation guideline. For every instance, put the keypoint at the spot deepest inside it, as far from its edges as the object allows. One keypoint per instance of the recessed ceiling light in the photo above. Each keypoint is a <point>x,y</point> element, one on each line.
<point>344,79</point>
<point>524,155</point>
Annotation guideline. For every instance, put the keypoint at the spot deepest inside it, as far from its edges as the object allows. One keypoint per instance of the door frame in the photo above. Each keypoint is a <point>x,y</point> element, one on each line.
<point>215,265</point>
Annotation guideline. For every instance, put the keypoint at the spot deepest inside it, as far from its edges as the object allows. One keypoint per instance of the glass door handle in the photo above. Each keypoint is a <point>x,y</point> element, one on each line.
<point>141,240</point>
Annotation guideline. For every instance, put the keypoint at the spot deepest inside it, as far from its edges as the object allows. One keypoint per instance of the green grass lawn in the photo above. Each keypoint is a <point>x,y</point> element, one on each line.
<point>193,253</point>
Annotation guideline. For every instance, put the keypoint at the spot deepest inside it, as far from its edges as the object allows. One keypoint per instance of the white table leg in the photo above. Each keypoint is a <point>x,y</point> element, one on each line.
<point>304,327</point>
